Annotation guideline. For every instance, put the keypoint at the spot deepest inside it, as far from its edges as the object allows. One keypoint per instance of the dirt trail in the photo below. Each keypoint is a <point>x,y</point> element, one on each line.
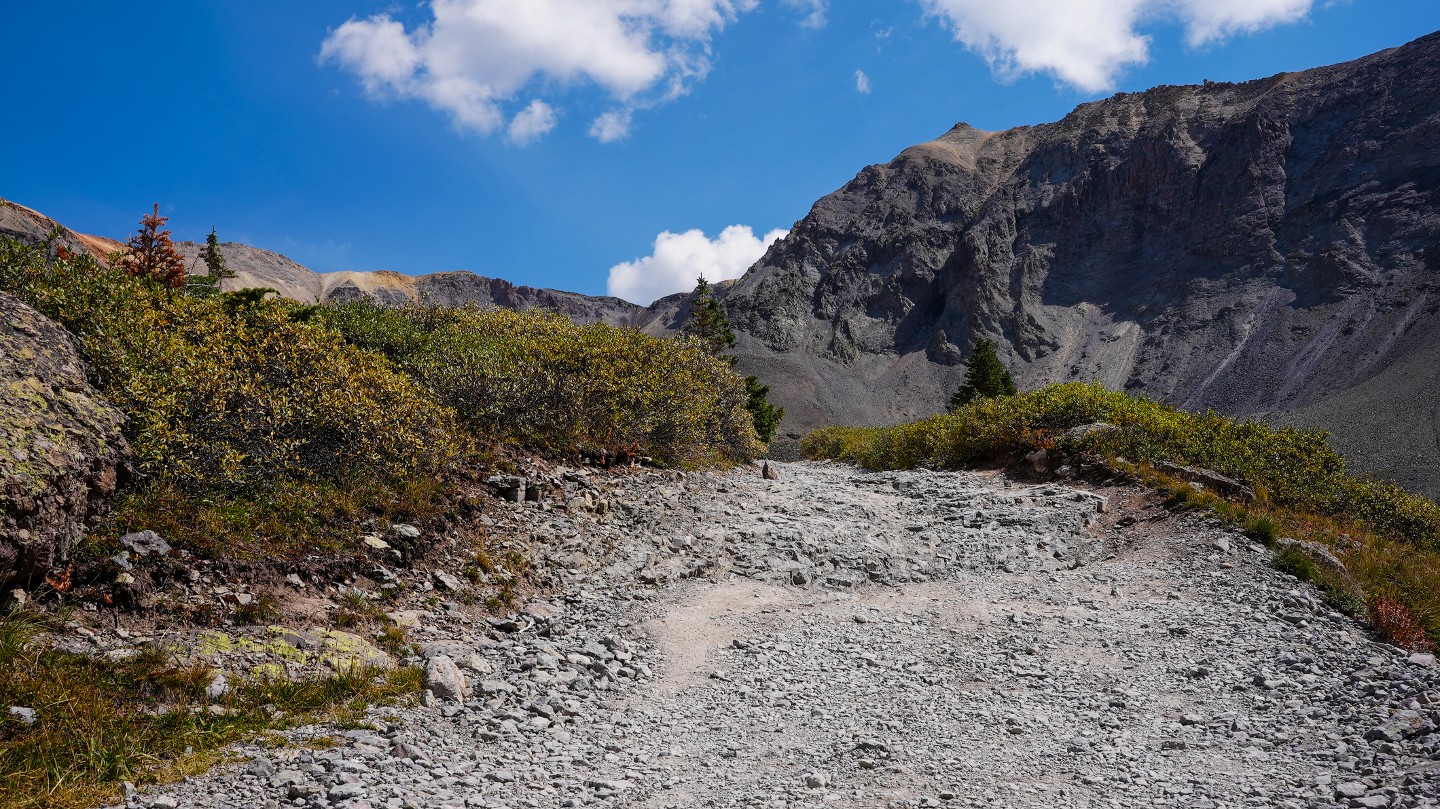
<point>844,639</point>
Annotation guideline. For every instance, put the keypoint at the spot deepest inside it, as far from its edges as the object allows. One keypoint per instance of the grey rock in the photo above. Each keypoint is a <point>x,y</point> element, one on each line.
<point>260,766</point>
<point>146,543</point>
<point>61,449</point>
<point>27,716</point>
<point>444,680</point>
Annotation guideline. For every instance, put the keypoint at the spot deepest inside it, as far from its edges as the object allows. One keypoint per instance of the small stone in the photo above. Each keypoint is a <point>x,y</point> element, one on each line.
<point>445,581</point>
<point>376,542</point>
<point>799,578</point>
<point>403,750</point>
<point>404,531</point>
<point>444,680</point>
<point>344,792</point>
<point>218,687</point>
<point>501,776</point>
<point>817,780</point>
<point>145,543</point>
<point>261,766</point>
<point>1423,660</point>
<point>164,802</point>
<point>27,716</point>
<point>1351,789</point>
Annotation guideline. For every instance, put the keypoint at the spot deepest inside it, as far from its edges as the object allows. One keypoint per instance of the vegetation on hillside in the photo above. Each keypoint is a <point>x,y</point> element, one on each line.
<point>265,427</point>
<point>708,324</point>
<point>100,721</point>
<point>1388,538</point>
<point>986,376</point>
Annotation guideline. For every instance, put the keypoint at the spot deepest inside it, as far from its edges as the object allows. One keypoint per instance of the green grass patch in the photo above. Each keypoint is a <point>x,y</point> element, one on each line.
<point>143,719</point>
<point>1388,539</point>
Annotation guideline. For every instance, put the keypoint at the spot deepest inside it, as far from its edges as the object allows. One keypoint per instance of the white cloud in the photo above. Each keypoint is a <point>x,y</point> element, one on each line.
<point>1088,43</point>
<point>1208,21</point>
<point>531,123</point>
<point>862,83</point>
<point>814,11</point>
<point>611,126</point>
<point>473,57</point>
<point>679,258</point>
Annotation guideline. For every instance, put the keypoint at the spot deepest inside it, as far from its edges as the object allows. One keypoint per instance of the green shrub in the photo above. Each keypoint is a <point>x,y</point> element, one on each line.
<point>227,395</point>
<point>1290,468</point>
<point>538,378</point>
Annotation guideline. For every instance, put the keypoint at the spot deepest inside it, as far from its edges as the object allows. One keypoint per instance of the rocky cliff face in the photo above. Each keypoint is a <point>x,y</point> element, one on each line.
<point>1251,248</point>
<point>61,450</point>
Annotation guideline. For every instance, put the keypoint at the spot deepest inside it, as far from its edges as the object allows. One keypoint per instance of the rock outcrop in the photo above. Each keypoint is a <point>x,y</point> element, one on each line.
<point>1253,248</point>
<point>61,450</point>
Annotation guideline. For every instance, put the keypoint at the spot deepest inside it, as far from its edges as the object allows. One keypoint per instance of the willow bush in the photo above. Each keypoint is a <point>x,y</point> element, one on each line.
<point>538,378</point>
<point>231,393</point>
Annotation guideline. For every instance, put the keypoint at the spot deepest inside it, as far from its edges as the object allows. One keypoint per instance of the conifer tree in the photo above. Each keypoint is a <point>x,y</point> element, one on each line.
<point>985,377</point>
<point>217,271</point>
<point>151,254</point>
<point>707,320</point>
<point>708,323</point>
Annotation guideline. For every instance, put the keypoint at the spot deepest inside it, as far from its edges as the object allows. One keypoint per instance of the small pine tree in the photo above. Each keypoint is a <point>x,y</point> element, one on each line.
<point>151,254</point>
<point>217,271</point>
<point>986,377</point>
<point>707,320</point>
<point>766,415</point>
<point>708,323</point>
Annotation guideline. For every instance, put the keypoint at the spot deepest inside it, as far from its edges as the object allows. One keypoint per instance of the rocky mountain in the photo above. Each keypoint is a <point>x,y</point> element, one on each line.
<point>1259,248</point>
<point>1266,248</point>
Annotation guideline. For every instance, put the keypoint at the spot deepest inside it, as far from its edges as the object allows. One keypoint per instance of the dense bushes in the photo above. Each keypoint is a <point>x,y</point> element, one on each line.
<point>221,395</point>
<point>236,394</point>
<point>540,379</point>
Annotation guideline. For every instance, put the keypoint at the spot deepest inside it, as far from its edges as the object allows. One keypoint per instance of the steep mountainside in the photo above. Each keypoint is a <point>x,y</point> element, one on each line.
<point>1257,247</point>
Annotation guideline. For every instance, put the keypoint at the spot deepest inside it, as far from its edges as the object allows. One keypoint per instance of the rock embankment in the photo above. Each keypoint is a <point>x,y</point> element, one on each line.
<point>61,449</point>
<point>845,639</point>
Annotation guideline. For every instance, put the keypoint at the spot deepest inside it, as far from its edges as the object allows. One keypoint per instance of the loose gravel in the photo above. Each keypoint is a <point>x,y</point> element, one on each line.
<point>845,639</point>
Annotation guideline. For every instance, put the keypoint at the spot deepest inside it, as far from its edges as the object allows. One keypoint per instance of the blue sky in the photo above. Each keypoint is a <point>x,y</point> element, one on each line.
<point>571,143</point>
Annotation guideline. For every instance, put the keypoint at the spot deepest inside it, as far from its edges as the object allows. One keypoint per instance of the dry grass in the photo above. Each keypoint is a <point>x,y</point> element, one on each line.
<point>143,719</point>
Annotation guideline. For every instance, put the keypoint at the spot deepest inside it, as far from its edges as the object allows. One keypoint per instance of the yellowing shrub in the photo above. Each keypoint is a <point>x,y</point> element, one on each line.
<point>540,379</point>
<point>232,394</point>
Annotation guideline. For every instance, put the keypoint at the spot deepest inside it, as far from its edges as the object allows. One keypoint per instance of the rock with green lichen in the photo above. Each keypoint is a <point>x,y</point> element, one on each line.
<point>61,448</point>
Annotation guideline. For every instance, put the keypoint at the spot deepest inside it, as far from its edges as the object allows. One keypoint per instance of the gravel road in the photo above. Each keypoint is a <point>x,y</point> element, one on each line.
<point>844,639</point>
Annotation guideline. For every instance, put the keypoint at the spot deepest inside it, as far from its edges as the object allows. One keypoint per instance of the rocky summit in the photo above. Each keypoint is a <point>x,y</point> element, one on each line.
<point>1255,248</point>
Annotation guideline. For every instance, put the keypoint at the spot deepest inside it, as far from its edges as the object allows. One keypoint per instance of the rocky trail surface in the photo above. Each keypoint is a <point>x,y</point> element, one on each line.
<point>846,639</point>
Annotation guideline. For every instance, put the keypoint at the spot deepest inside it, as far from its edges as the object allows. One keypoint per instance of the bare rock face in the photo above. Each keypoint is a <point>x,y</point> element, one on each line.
<point>61,451</point>
<point>1255,248</point>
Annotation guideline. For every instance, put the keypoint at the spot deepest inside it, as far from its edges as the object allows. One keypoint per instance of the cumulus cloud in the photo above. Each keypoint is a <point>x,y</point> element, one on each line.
<point>531,123</point>
<point>814,11</point>
<point>611,126</point>
<point>1088,43</point>
<point>679,258</point>
<point>862,83</point>
<point>473,57</point>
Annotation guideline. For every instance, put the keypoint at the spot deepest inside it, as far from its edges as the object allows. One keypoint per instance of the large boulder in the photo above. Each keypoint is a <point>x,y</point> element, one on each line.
<point>61,450</point>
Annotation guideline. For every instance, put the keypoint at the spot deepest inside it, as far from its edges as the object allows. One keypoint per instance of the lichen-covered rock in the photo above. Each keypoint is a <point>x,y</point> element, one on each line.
<point>61,449</point>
